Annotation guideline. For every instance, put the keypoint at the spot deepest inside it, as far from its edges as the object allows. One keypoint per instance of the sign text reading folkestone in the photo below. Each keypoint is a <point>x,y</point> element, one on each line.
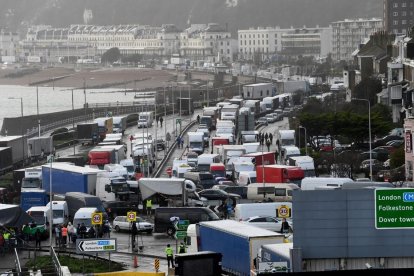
<point>394,208</point>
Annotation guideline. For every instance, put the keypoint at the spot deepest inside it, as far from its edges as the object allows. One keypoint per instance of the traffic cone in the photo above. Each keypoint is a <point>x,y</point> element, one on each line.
<point>135,262</point>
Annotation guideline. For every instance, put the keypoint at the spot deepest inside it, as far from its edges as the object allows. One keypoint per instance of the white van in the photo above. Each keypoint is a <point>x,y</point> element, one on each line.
<point>246,210</point>
<point>39,214</point>
<point>60,212</point>
<point>273,191</point>
<point>246,178</point>
<point>84,215</point>
<point>310,183</point>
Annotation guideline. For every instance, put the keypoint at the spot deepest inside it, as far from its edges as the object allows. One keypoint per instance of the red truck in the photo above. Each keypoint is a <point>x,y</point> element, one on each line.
<point>259,158</point>
<point>100,157</point>
<point>279,174</point>
<point>218,169</point>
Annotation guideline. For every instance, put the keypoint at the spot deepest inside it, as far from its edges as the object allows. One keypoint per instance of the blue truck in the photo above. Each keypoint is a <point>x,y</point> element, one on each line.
<point>33,197</point>
<point>239,243</point>
<point>69,178</point>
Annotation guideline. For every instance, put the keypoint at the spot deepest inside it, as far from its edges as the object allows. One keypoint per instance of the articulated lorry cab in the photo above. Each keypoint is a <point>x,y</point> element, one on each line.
<point>60,212</point>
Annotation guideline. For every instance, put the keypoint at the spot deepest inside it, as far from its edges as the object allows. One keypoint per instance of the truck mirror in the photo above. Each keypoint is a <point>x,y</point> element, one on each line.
<point>108,188</point>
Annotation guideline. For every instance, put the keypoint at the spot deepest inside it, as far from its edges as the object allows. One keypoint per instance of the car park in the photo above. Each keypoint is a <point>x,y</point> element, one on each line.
<point>266,222</point>
<point>121,223</point>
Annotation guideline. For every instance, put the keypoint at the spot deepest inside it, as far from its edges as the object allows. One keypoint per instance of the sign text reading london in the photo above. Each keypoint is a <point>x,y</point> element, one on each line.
<point>394,208</point>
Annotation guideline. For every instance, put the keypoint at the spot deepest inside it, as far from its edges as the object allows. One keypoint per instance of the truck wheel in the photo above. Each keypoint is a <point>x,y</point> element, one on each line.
<point>170,231</point>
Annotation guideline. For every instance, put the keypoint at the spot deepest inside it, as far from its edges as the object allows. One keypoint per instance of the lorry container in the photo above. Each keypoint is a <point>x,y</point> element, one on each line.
<point>245,120</point>
<point>145,119</point>
<point>105,126</point>
<point>18,144</point>
<point>204,160</point>
<point>237,100</point>
<point>254,106</point>
<point>310,183</point>
<point>271,103</point>
<point>249,136</point>
<point>120,152</point>
<point>77,200</point>
<point>275,255</point>
<point>186,106</point>
<point>257,91</point>
<point>69,178</point>
<point>237,242</point>
<point>6,160</point>
<point>102,156</point>
<point>33,197</point>
<point>213,112</point>
<point>288,152</point>
<point>229,112</point>
<point>218,170</point>
<point>196,142</point>
<point>279,174</point>
<point>119,124</point>
<point>87,133</point>
<point>77,159</point>
<point>217,141</point>
<point>261,158</point>
<point>39,146</point>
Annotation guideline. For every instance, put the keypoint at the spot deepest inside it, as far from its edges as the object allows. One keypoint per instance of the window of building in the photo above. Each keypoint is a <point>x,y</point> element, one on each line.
<point>228,51</point>
<point>261,93</point>
<point>228,43</point>
<point>395,13</point>
<point>404,22</point>
<point>258,42</point>
<point>404,4</point>
<point>395,5</point>
<point>241,42</point>
<point>267,35</point>
<point>395,22</point>
<point>404,13</point>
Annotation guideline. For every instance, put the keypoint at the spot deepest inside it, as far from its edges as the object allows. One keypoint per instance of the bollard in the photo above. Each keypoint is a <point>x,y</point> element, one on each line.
<point>135,262</point>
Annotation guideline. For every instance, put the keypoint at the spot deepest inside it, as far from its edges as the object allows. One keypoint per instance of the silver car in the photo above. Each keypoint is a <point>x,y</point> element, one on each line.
<point>120,223</point>
<point>265,222</point>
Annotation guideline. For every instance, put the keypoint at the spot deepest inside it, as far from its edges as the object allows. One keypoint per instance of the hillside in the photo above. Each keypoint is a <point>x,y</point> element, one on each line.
<point>236,13</point>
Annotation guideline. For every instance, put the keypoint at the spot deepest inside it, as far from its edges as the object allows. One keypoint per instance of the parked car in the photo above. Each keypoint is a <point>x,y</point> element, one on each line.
<point>395,143</point>
<point>384,140</point>
<point>217,194</point>
<point>266,222</point>
<point>270,118</point>
<point>262,120</point>
<point>120,223</point>
<point>376,165</point>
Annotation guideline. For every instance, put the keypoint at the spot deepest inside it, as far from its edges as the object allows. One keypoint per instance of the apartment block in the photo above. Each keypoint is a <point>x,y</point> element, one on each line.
<point>398,16</point>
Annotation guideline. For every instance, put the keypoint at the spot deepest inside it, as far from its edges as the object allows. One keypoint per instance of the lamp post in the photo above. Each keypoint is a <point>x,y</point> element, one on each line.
<point>369,129</point>
<point>21,122</point>
<point>306,142</point>
<point>37,105</point>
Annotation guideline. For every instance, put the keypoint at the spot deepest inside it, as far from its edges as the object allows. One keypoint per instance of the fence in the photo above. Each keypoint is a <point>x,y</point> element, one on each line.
<point>56,263</point>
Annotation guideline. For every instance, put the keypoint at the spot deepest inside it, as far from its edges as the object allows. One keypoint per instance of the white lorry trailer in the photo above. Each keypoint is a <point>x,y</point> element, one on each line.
<point>196,142</point>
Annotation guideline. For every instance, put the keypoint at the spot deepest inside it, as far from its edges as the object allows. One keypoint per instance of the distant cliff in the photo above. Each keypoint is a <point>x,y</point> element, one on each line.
<point>236,14</point>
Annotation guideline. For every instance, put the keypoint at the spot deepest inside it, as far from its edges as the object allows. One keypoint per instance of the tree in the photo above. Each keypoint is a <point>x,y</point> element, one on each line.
<point>135,58</point>
<point>397,158</point>
<point>111,55</point>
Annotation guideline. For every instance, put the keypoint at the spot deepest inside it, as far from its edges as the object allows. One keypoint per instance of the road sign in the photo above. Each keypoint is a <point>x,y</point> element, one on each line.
<point>394,208</point>
<point>95,245</point>
<point>96,218</point>
<point>180,235</point>
<point>131,216</point>
<point>157,265</point>
<point>283,211</point>
<point>181,225</point>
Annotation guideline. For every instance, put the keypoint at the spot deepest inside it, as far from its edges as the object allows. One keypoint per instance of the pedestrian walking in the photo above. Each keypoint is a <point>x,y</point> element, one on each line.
<point>38,238</point>
<point>178,140</point>
<point>271,138</point>
<point>82,230</point>
<point>262,140</point>
<point>266,136</point>
<point>268,144</point>
<point>64,230</point>
<point>161,120</point>
<point>149,207</point>
<point>170,255</point>
<point>284,229</point>
<point>198,119</point>
<point>107,229</point>
<point>158,120</point>
<point>182,142</point>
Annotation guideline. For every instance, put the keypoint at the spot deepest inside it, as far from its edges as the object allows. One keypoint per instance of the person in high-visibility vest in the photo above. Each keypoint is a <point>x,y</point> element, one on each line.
<point>170,255</point>
<point>182,248</point>
<point>149,207</point>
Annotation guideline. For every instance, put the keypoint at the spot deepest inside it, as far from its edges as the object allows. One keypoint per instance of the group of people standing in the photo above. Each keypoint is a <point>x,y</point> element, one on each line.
<point>265,139</point>
<point>170,253</point>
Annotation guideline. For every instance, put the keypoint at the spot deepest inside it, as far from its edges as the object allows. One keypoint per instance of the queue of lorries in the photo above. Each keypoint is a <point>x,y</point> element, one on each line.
<point>233,168</point>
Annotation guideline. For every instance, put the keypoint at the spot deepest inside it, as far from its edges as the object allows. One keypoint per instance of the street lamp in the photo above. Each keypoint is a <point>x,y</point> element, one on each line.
<point>306,142</point>
<point>21,123</point>
<point>369,129</point>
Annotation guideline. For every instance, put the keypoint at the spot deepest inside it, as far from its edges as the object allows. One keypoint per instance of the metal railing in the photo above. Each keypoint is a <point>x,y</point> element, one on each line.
<point>56,263</point>
<point>17,263</point>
